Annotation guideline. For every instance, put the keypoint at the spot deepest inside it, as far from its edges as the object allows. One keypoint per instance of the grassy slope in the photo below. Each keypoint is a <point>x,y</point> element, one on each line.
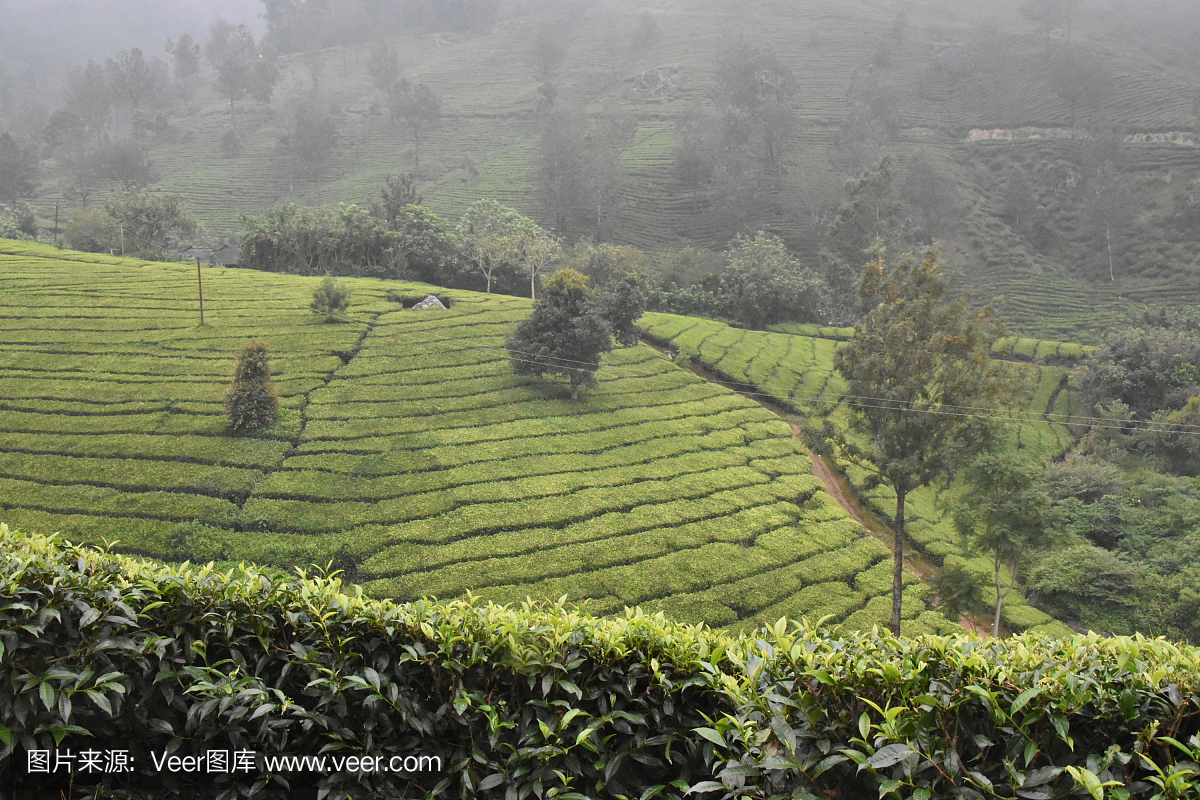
<point>407,453</point>
<point>797,370</point>
<point>489,95</point>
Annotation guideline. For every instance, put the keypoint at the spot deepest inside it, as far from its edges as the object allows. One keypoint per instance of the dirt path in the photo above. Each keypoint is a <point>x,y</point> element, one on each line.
<point>836,484</point>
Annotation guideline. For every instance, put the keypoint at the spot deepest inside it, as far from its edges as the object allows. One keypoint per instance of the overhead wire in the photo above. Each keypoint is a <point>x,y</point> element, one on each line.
<point>863,401</point>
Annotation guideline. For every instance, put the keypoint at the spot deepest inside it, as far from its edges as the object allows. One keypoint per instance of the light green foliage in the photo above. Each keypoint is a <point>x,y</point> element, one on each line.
<point>331,298</point>
<point>405,450</point>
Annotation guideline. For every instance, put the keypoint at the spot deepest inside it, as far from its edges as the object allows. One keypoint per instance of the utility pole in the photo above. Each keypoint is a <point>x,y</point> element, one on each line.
<point>56,224</point>
<point>200,286</point>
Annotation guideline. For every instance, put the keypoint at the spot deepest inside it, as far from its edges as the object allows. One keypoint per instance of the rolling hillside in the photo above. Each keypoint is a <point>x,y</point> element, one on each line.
<point>1055,287</point>
<point>407,453</point>
<point>795,369</point>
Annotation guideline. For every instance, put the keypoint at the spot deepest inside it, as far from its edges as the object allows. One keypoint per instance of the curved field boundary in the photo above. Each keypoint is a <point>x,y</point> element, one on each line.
<point>407,453</point>
<point>801,377</point>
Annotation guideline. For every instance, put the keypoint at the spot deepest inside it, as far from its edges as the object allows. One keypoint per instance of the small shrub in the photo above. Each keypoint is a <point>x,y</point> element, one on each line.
<point>92,231</point>
<point>231,145</point>
<point>330,298</point>
<point>251,400</point>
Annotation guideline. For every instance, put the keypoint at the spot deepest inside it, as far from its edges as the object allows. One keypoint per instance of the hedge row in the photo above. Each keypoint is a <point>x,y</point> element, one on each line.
<point>104,651</point>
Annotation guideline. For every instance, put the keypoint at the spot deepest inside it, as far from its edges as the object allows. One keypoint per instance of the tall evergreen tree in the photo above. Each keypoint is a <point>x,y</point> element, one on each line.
<point>918,376</point>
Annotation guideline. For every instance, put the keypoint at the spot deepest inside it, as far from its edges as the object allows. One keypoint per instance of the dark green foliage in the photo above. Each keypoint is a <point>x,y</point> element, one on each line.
<point>1133,554</point>
<point>1148,364</point>
<point>915,356</point>
<point>150,222</point>
<point>251,401</point>
<point>397,193</point>
<point>18,169</point>
<point>566,334</point>
<point>515,701</point>
<point>1007,515</point>
<point>763,285</point>
<point>330,298</point>
<point>92,231</point>
<point>870,212</point>
<point>624,304</point>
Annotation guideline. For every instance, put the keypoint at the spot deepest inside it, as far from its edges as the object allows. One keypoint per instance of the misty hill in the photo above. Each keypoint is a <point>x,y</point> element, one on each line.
<point>1059,174</point>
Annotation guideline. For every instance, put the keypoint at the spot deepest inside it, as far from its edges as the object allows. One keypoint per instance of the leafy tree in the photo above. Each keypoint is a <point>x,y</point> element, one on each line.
<point>312,136</point>
<point>241,66</point>
<point>92,230</point>
<point>578,170</point>
<point>87,95</point>
<point>755,89</point>
<point>487,235</point>
<point>624,305</point>
<point>546,53</point>
<point>535,249</point>
<point>1045,14</point>
<point>558,162</point>
<point>426,246</point>
<point>330,298</point>
<point>930,199</point>
<point>419,106</point>
<point>127,162</point>
<point>1108,207</point>
<point>565,335</point>
<point>397,192</point>
<point>18,169</point>
<point>958,589</point>
<point>83,170</point>
<point>871,212</point>
<point>149,222</point>
<point>606,264</point>
<point>915,359</point>
<point>1080,77</point>
<point>1148,364</point>
<point>765,285</point>
<point>1007,514</point>
<point>251,402</point>
<point>132,80</point>
<point>1019,203</point>
<point>383,65</point>
<point>871,125</point>
<point>185,55</point>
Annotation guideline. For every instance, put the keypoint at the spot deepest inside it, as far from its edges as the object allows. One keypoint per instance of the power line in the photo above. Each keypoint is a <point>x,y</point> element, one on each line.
<point>862,401</point>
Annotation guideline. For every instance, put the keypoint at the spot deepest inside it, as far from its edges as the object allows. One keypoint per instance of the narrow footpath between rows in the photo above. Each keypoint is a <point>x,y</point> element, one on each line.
<point>835,482</point>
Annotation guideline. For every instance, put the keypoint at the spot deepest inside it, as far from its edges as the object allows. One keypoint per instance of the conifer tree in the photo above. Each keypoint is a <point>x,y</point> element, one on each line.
<point>251,400</point>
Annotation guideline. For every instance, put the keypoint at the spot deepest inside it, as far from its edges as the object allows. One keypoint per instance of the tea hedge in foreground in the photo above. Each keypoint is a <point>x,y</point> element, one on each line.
<point>107,651</point>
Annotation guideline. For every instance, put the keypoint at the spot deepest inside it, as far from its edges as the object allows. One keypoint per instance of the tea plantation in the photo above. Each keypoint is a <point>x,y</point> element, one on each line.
<point>407,453</point>
<point>793,365</point>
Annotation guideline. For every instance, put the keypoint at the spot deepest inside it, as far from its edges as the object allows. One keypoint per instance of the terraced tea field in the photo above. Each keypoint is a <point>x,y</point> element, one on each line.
<point>793,365</point>
<point>407,452</point>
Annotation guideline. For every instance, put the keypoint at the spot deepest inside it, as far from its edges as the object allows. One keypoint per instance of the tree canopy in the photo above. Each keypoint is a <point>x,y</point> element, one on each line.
<point>572,326</point>
<point>919,378</point>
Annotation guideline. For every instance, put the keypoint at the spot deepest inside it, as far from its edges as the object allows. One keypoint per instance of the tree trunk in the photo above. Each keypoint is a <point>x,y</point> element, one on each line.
<point>574,390</point>
<point>417,151</point>
<point>999,597</point>
<point>532,284</point>
<point>898,562</point>
<point>1108,244</point>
